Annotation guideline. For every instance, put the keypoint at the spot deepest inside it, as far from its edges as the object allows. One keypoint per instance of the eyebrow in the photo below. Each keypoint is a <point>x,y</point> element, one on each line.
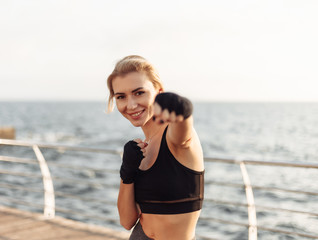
<point>133,91</point>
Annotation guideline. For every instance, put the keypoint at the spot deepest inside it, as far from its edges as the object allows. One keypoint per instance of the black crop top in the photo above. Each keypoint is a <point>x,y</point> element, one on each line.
<point>168,187</point>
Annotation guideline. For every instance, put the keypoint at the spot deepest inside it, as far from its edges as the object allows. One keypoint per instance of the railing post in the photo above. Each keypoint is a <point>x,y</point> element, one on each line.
<point>49,198</point>
<point>252,222</point>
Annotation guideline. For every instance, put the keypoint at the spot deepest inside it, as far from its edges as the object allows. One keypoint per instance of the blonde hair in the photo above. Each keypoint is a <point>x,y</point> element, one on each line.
<point>132,63</point>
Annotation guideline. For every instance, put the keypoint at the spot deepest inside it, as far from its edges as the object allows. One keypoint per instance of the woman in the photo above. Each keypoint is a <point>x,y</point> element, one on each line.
<point>162,177</point>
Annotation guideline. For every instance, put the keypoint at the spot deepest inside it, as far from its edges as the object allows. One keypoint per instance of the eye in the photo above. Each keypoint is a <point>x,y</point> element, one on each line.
<point>139,93</point>
<point>120,97</point>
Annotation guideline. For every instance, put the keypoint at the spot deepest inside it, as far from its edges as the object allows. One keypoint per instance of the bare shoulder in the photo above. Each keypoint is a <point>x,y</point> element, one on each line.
<point>191,155</point>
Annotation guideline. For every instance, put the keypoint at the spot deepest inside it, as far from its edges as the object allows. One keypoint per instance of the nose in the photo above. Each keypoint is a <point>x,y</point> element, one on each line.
<point>131,104</point>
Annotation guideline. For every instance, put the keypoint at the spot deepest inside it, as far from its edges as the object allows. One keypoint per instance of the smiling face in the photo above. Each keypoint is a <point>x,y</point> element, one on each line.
<point>134,94</point>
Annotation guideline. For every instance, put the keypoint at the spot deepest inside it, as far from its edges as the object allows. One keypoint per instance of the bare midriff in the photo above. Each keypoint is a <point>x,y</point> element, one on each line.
<point>166,227</point>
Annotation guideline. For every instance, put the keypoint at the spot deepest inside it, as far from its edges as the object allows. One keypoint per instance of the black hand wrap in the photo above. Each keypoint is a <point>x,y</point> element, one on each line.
<point>173,102</point>
<point>131,160</point>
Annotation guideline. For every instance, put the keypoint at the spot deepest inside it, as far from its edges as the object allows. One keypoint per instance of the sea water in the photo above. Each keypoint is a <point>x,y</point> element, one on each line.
<point>256,131</point>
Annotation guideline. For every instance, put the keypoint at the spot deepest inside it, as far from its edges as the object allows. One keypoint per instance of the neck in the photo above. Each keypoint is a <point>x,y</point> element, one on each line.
<point>151,129</point>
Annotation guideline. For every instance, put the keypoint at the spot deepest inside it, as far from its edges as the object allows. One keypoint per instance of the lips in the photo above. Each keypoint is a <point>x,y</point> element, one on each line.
<point>136,115</point>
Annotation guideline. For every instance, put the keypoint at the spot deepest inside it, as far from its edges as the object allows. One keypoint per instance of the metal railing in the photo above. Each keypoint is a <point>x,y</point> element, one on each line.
<point>50,194</point>
<point>250,205</point>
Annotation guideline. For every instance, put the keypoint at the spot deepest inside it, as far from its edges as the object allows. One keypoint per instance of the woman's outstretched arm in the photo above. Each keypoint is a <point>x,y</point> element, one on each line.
<point>177,110</point>
<point>181,134</point>
<point>182,139</point>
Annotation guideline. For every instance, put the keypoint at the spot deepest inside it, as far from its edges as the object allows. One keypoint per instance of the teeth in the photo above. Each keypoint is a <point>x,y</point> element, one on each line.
<point>136,114</point>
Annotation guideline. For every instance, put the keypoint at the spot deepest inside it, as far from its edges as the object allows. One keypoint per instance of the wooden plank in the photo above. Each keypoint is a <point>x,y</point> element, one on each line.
<point>15,223</point>
<point>21,225</point>
<point>7,219</point>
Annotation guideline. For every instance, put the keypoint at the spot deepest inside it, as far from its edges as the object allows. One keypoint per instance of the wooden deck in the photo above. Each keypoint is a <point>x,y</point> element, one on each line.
<point>21,225</point>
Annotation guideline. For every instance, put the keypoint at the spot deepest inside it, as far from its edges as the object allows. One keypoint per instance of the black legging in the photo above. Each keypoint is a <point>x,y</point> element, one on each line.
<point>138,233</point>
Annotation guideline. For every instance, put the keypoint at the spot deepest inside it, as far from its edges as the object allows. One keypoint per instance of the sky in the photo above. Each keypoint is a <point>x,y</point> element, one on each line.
<point>247,50</point>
